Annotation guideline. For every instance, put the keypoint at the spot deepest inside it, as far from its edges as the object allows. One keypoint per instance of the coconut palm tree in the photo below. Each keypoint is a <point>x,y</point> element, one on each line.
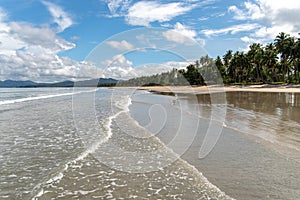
<point>255,55</point>
<point>296,60</point>
<point>270,60</point>
<point>283,44</point>
<point>221,68</point>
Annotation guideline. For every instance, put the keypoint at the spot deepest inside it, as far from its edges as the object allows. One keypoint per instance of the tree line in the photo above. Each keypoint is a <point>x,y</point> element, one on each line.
<point>275,63</point>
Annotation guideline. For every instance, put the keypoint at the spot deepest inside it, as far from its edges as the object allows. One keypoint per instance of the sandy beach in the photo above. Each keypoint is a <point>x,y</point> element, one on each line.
<point>243,164</point>
<point>214,88</point>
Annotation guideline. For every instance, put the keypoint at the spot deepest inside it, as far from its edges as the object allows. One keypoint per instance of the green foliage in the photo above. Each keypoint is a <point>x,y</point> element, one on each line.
<point>172,78</point>
<point>274,63</point>
<point>277,62</point>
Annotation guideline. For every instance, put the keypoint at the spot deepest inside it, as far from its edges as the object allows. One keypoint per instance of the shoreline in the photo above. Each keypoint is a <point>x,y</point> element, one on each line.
<point>241,165</point>
<point>217,88</point>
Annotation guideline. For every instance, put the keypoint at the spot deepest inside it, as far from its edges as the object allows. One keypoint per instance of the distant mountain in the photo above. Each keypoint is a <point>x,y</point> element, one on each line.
<point>101,82</point>
<point>96,82</point>
<point>11,83</point>
<point>61,84</point>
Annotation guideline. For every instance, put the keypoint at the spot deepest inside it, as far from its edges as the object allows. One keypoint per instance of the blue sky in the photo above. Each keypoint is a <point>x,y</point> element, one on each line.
<point>57,40</point>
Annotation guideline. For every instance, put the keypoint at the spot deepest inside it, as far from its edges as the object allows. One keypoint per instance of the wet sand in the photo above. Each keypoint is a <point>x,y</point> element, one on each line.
<point>214,88</point>
<point>242,165</point>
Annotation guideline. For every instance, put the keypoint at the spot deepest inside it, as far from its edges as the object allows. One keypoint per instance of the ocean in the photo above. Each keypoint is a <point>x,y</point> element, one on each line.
<point>88,143</point>
<point>82,144</point>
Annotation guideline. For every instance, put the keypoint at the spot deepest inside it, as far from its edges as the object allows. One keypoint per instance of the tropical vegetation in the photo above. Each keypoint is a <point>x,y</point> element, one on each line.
<point>275,63</point>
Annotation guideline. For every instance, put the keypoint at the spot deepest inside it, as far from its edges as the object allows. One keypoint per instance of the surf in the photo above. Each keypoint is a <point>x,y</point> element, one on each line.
<point>13,101</point>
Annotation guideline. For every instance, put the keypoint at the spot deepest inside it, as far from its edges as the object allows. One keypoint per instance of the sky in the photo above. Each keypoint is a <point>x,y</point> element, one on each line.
<point>49,41</point>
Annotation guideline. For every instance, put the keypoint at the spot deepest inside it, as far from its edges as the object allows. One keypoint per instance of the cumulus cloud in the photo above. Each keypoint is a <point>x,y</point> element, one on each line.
<point>122,45</point>
<point>60,17</point>
<point>152,69</point>
<point>118,60</point>
<point>180,34</point>
<point>117,7</point>
<point>274,16</point>
<point>118,67</point>
<point>113,5</point>
<point>28,52</point>
<point>253,12</point>
<point>39,37</point>
<point>45,68</point>
<point>145,12</point>
<point>121,68</point>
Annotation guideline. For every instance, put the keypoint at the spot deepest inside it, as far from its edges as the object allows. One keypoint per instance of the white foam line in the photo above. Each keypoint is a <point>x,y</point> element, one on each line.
<point>90,150</point>
<point>111,118</point>
<point>55,178</point>
<point>94,147</point>
<point>192,167</point>
<point>41,97</point>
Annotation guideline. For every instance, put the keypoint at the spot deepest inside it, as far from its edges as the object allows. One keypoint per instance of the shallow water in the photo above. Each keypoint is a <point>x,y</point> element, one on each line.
<point>257,154</point>
<point>62,144</point>
<point>274,117</point>
<point>83,144</point>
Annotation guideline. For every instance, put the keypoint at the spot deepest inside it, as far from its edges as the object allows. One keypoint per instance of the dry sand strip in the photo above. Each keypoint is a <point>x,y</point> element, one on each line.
<point>213,88</point>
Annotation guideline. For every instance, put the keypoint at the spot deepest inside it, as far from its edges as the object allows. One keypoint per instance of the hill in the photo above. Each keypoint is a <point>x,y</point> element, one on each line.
<point>101,82</point>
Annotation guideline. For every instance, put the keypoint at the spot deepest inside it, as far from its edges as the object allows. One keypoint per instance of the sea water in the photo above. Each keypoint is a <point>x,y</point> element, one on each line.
<point>256,155</point>
<point>83,144</point>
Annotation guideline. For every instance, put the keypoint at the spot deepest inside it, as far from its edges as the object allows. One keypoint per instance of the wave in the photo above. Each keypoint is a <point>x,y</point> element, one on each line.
<point>13,101</point>
<point>123,104</point>
<point>185,163</point>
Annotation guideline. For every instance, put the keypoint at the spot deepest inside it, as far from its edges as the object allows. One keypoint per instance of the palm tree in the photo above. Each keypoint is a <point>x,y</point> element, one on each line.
<point>255,58</point>
<point>245,67</point>
<point>220,67</point>
<point>283,43</point>
<point>193,76</point>
<point>226,60</point>
<point>234,68</point>
<point>270,62</point>
<point>296,60</point>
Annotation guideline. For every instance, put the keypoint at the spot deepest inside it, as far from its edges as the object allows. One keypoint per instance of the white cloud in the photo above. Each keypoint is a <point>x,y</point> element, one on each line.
<point>180,34</point>
<point>275,16</point>
<point>119,67</point>
<point>118,60</point>
<point>113,5</point>
<point>28,52</point>
<point>60,17</point>
<point>117,7</point>
<point>45,68</point>
<point>249,40</point>
<point>75,37</point>
<point>3,14</point>
<point>232,30</point>
<point>238,13</point>
<point>203,18</point>
<point>44,38</point>
<point>145,12</point>
<point>253,12</point>
<point>152,69</point>
<point>122,45</point>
